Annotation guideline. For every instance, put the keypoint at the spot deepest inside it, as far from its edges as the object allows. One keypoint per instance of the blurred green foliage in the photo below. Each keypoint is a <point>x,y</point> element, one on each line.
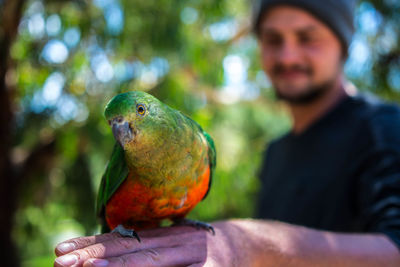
<point>71,57</point>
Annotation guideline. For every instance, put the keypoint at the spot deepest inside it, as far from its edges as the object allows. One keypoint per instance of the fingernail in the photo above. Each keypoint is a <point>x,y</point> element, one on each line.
<point>67,260</point>
<point>66,247</point>
<point>99,262</point>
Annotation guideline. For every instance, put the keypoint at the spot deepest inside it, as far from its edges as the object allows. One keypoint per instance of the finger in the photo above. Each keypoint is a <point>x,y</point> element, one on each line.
<point>82,242</point>
<point>120,246</point>
<point>159,257</point>
<point>165,231</point>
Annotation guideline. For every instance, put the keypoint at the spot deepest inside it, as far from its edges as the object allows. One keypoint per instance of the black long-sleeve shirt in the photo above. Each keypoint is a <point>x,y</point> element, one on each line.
<point>342,174</point>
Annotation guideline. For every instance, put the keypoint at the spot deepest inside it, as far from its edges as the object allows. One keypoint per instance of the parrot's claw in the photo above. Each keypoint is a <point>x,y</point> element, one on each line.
<point>197,224</point>
<point>120,229</point>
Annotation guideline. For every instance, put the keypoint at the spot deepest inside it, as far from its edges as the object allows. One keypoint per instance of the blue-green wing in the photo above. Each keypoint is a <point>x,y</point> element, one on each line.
<point>116,172</point>
<point>212,153</point>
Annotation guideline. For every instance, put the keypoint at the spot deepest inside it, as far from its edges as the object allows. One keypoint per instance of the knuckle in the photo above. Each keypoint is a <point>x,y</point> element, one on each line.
<point>125,243</point>
<point>123,261</point>
<point>91,252</point>
<point>80,242</point>
<point>151,255</point>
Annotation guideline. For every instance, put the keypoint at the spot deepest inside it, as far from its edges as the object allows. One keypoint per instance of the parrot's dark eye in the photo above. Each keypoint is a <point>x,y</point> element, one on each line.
<point>141,109</point>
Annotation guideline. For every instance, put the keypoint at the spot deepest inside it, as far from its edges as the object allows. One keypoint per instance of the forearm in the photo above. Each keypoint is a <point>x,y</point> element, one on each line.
<point>283,244</point>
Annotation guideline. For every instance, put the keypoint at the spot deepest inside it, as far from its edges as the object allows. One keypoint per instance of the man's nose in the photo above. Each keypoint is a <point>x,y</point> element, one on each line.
<point>288,54</point>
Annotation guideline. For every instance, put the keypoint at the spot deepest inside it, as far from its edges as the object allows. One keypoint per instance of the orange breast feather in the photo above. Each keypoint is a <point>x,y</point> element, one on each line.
<point>137,206</point>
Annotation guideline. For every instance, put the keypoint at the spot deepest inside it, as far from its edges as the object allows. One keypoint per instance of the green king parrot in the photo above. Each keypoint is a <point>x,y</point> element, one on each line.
<point>161,166</point>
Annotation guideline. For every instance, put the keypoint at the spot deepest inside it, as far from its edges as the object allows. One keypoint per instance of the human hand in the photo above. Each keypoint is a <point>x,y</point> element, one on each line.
<point>243,242</point>
<point>169,246</point>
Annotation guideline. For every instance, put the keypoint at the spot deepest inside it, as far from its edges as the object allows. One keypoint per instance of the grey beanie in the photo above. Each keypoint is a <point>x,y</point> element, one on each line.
<point>337,14</point>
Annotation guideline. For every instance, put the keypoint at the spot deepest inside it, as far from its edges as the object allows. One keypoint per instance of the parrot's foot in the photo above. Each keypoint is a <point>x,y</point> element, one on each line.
<point>120,229</point>
<point>197,224</point>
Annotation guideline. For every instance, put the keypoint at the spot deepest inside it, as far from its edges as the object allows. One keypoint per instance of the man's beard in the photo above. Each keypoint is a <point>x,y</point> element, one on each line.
<point>310,94</point>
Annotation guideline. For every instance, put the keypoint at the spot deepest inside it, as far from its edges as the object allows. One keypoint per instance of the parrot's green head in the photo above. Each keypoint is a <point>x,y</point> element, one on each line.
<point>135,115</point>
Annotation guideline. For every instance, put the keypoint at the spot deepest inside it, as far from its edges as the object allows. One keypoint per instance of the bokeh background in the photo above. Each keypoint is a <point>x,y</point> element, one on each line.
<point>61,61</point>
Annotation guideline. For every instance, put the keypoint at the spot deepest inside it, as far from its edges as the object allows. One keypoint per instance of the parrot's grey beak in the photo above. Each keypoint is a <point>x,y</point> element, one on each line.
<point>121,131</point>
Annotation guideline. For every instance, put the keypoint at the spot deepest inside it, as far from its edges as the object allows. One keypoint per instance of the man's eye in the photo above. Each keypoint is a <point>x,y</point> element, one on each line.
<point>272,41</point>
<point>306,39</point>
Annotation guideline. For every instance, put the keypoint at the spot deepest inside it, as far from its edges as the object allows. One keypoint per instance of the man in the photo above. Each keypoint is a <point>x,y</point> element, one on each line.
<point>332,183</point>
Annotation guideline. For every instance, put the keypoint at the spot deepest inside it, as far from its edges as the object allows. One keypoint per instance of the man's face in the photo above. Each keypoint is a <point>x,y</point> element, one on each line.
<point>300,54</point>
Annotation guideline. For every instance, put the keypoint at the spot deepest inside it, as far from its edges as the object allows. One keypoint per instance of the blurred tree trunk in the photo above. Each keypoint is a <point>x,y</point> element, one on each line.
<point>10,15</point>
<point>39,159</point>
